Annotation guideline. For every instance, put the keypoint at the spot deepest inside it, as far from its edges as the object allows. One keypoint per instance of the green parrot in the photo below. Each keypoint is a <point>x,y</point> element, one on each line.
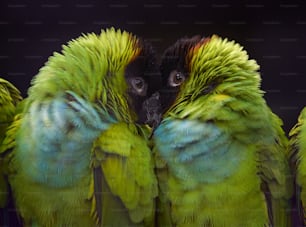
<point>297,149</point>
<point>220,152</point>
<point>76,155</point>
<point>9,98</point>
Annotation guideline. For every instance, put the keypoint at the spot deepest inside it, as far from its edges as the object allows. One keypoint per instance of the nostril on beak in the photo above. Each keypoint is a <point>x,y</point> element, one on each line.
<point>156,95</point>
<point>151,108</point>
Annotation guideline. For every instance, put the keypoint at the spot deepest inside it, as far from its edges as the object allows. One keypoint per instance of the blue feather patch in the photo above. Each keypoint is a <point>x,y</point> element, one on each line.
<point>56,137</point>
<point>196,150</point>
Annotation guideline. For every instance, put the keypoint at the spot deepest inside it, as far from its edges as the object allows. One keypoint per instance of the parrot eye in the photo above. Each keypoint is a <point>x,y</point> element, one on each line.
<point>176,78</point>
<point>139,85</point>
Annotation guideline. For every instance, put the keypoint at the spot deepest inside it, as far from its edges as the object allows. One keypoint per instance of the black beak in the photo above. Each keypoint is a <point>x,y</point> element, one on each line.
<point>151,110</point>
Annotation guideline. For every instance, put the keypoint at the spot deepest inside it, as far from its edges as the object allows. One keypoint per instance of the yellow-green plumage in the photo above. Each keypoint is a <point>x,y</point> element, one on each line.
<point>76,125</point>
<point>297,151</point>
<point>220,151</point>
<point>127,168</point>
<point>9,98</point>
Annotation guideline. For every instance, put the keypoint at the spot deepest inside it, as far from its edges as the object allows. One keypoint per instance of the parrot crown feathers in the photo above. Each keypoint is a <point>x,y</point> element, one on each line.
<point>120,46</point>
<point>215,61</point>
<point>222,58</point>
<point>92,66</point>
<point>89,59</point>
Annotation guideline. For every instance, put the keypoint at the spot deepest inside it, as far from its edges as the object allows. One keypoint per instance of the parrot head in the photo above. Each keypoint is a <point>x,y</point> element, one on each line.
<point>193,69</point>
<point>110,70</point>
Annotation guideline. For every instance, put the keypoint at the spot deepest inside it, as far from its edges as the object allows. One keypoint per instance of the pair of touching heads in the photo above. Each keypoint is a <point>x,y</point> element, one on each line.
<point>121,73</point>
<point>193,68</point>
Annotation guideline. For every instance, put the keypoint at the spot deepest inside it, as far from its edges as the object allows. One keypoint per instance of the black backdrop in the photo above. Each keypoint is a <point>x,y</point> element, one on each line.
<point>273,33</point>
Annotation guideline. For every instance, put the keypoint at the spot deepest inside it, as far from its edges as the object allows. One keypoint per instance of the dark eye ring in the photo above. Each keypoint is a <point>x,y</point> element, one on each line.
<point>139,85</point>
<point>176,78</point>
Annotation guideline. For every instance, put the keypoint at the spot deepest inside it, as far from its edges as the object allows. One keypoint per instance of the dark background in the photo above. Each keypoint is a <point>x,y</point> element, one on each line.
<point>273,33</point>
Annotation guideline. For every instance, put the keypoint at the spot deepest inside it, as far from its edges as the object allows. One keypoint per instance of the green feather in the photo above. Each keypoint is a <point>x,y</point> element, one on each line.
<point>297,149</point>
<point>9,98</point>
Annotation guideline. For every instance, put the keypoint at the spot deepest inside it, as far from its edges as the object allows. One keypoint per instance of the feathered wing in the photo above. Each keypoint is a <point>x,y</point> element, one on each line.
<point>184,151</point>
<point>297,149</point>
<point>275,173</point>
<point>197,159</point>
<point>123,185</point>
<point>206,167</point>
<point>6,148</point>
<point>123,181</point>
<point>42,177</point>
<point>9,98</point>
